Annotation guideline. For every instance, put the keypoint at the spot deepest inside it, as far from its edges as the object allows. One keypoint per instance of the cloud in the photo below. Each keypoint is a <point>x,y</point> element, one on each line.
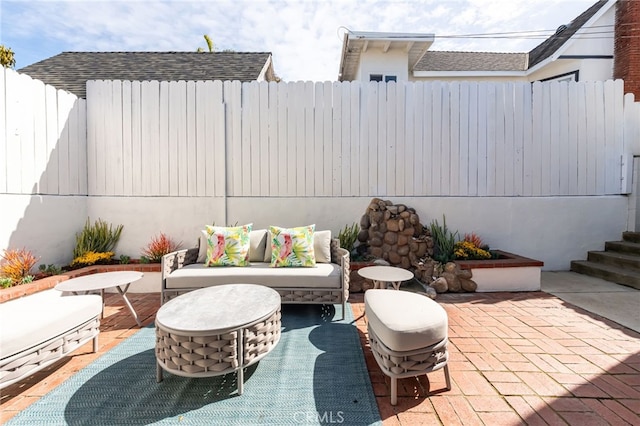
<point>301,34</point>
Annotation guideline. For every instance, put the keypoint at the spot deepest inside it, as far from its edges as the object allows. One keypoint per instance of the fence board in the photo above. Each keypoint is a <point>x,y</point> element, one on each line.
<point>4,131</point>
<point>26,147</point>
<point>453,183</point>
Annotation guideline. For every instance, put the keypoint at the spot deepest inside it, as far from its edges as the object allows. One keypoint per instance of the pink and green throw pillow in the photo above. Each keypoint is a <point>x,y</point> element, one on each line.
<point>227,246</point>
<point>292,246</point>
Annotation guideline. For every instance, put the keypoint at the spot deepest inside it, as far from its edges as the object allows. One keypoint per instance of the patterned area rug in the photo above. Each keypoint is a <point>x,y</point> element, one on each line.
<point>315,375</point>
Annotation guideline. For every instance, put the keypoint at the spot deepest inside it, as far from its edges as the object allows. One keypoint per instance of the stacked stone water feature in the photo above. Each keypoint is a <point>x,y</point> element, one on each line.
<point>393,232</point>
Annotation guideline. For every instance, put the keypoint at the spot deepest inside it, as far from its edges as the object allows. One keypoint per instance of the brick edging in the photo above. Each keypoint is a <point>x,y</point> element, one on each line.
<point>21,290</point>
<point>510,260</point>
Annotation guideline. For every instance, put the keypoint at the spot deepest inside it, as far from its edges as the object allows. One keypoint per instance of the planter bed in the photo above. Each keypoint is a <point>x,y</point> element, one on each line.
<point>509,272</point>
<point>50,282</point>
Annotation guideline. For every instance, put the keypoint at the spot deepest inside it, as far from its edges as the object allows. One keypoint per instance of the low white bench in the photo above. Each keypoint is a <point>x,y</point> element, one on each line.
<point>407,335</point>
<point>41,328</point>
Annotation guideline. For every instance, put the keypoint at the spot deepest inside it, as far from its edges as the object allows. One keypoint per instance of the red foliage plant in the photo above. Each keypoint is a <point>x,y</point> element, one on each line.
<point>474,239</point>
<point>159,246</point>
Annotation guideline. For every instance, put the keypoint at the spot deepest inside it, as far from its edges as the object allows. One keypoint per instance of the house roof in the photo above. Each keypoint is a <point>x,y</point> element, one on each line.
<point>548,47</point>
<point>472,61</point>
<point>71,70</point>
<point>357,42</point>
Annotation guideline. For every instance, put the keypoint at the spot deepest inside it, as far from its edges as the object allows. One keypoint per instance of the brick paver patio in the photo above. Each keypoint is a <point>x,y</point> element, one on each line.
<point>515,358</point>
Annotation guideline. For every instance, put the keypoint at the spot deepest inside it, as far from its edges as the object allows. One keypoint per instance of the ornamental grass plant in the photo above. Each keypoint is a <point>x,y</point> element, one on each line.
<point>100,237</point>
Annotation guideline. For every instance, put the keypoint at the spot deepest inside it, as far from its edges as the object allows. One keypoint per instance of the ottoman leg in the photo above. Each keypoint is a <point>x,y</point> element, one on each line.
<point>158,373</point>
<point>394,390</point>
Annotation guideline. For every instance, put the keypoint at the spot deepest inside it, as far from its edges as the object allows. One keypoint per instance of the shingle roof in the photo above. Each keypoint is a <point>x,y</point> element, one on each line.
<point>472,61</point>
<point>71,70</point>
<point>555,42</point>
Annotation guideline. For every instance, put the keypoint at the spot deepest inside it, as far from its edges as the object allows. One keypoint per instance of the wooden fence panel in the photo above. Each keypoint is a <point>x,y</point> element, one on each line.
<point>317,139</point>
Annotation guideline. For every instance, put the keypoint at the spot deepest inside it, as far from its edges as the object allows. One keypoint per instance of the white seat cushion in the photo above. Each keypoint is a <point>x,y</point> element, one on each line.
<point>39,317</point>
<point>323,275</point>
<point>405,321</point>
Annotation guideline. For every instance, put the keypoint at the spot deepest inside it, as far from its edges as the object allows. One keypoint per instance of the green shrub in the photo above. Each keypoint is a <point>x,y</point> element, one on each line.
<point>444,241</point>
<point>124,259</point>
<point>100,237</point>
<point>348,237</point>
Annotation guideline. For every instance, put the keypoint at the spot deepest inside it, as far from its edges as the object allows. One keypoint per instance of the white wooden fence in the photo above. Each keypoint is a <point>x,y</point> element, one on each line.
<point>317,139</point>
<point>347,139</point>
<point>42,138</point>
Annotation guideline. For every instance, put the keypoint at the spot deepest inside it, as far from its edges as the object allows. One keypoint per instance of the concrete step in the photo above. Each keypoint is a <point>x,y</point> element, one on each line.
<point>632,237</point>
<point>611,273</point>
<point>615,258</point>
<point>623,246</point>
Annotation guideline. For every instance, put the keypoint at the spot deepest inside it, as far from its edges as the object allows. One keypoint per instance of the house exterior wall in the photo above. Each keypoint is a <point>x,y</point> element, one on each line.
<point>627,45</point>
<point>375,61</point>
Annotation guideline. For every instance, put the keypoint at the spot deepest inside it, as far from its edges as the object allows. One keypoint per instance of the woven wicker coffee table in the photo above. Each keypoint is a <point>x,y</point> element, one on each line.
<point>217,330</point>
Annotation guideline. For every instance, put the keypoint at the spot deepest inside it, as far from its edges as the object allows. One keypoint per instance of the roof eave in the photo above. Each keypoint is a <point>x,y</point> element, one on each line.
<point>563,48</point>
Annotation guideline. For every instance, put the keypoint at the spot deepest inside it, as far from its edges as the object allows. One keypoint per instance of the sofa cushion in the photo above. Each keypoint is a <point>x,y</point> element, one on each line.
<point>258,245</point>
<point>292,247</point>
<point>322,246</point>
<point>323,275</point>
<point>227,246</point>
<point>34,319</point>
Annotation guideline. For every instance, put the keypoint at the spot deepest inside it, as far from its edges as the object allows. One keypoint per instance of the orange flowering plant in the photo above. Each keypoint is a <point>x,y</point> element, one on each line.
<point>16,266</point>
<point>471,248</point>
<point>158,247</point>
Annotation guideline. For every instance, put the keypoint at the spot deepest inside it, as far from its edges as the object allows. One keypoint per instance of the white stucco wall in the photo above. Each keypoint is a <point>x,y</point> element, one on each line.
<point>375,61</point>
<point>146,217</point>
<point>44,224</point>
<point>554,230</point>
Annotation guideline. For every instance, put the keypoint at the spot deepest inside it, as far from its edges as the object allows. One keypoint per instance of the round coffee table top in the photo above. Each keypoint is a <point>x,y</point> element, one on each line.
<point>218,308</point>
<point>385,273</point>
<point>99,281</point>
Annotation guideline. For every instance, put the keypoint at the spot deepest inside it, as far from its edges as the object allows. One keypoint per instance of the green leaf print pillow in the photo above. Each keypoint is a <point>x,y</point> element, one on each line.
<point>292,246</point>
<point>228,246</point>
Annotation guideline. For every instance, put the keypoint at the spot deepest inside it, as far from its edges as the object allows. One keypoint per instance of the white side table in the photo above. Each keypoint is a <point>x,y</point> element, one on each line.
<point>121,280</point>
<point>383,275</point>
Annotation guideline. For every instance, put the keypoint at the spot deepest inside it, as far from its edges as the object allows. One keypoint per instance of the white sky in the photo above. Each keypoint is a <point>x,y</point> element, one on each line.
<point>303,35</point>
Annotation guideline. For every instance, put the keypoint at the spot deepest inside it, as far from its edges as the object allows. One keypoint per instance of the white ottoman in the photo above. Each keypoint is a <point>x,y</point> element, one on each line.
<point>407,334</point>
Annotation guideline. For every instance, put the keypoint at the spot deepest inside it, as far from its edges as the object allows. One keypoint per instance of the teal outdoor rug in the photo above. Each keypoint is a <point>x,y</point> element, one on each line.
<point>315,375</point>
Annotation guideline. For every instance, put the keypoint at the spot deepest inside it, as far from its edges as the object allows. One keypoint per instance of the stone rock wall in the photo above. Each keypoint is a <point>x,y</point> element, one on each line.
<point>393,232</point>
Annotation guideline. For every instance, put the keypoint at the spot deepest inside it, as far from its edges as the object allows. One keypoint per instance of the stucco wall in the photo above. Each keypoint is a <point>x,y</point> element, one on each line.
<point>375,61</point>
<point>554,230</point>
<point>44,224</point>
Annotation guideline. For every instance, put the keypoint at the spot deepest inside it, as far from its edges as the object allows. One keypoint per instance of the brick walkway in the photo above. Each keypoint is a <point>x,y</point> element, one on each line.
<point>515,358</point>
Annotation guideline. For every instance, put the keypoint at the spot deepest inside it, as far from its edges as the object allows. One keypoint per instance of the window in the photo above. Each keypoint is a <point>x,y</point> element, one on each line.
<point>381,77</point>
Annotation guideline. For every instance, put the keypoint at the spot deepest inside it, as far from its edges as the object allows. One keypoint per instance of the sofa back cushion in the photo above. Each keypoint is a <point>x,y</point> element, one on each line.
<point>258,245</point>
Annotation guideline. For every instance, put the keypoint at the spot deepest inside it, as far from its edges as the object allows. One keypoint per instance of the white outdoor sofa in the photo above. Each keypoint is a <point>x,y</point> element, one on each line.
<point>42,328</point>
<point>326,283</point>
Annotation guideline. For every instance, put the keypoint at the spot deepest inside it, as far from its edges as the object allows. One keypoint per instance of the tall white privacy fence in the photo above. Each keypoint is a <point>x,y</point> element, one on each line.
<point>43,136</point>
<point>352,139</point>
<point>317,139</point>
